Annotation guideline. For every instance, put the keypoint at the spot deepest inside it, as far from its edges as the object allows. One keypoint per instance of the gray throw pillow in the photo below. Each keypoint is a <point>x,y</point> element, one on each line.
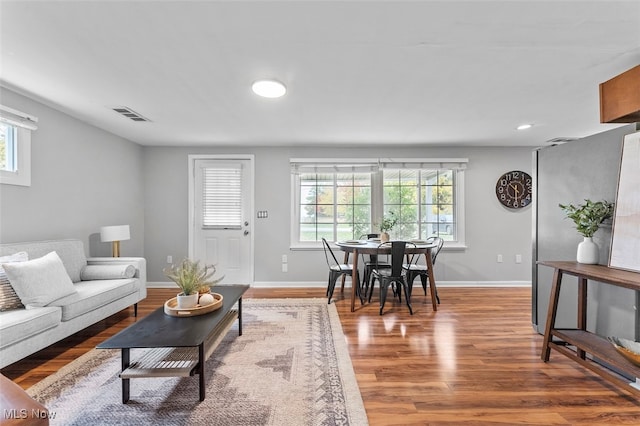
<point>39,282</point>
<point>8,298</point>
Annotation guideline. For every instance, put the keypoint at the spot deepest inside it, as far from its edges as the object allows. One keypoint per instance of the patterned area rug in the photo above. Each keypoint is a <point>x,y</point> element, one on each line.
<point>290,367</point>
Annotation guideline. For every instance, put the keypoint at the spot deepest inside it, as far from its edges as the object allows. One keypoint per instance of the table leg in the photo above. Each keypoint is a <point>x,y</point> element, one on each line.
<point>432,279</point>
<point>201,370</point>
<point>240,317</point>
<point>551,314</point>
<point>582,310</point>
<point>355,283</point>
<point>125,382</point>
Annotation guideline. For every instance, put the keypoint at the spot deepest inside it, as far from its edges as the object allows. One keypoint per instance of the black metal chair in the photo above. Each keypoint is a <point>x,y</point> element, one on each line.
<point>336,270</point>
<point>413,269</point>
<point>392,276</point>
<point>374,261</point>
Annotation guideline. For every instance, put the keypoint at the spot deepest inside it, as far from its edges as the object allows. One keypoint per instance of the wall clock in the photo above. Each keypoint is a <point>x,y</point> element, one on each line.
<point>513,189</point>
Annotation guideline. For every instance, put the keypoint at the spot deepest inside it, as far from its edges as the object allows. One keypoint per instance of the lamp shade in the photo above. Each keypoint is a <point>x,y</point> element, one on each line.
<point>115,233</point>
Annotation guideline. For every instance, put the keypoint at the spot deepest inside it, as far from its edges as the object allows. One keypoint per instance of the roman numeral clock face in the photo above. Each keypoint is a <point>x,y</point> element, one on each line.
<point>513,189</point>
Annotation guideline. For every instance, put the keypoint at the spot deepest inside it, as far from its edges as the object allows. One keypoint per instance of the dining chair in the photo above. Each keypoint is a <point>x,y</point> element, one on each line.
<point>336,270</point>
<point>393,276</point>
<point>413,269</point>
<point>374,260</point>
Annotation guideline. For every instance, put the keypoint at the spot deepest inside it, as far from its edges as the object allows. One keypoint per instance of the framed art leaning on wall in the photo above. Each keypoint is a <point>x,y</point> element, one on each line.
<point>625,240</point>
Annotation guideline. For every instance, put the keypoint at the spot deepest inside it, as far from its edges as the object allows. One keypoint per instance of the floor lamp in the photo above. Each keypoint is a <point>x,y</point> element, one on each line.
<point>115,234</point>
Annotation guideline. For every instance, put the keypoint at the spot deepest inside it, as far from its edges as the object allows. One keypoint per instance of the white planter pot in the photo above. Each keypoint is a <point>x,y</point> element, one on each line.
<point>187,302</point>
<point>384,237</point>
<point>588,252</point>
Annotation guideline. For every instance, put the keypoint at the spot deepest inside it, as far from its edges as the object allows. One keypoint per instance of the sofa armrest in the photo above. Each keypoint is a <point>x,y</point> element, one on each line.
<point>140,264</point>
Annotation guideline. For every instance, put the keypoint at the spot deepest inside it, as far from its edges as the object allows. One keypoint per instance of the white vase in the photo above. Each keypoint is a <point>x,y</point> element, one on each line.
<point>188,301</point>
<point>588,252</point>
<point>384,237</point>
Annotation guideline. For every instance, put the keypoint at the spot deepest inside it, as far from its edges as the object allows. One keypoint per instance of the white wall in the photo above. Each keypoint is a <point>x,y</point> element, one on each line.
<point>491,229</point>
<point>82,178</point>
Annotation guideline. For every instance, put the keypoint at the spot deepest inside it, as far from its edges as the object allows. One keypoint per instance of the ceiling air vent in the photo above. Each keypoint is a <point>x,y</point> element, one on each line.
<point>557,141</point>
<point>130,114</point>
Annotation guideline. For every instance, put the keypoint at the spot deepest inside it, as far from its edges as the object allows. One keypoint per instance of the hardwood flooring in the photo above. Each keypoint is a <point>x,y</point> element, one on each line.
<point>474,361</point>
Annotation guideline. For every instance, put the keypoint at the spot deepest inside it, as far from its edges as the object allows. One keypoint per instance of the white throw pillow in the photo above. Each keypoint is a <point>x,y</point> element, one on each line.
<point>39,282</point>
<point>8,298</point>
<point>107,272</point>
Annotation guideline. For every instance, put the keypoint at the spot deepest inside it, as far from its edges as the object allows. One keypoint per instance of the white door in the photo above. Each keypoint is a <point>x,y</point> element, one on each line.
<point>221,206</point>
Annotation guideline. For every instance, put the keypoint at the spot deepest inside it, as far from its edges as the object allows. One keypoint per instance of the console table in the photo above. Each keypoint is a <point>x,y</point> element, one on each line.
<point>584,341</point>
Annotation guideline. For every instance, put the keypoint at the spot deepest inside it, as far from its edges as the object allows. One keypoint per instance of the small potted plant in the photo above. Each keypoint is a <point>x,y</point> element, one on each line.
<point>387,224</point>
<point>191,278</point>
<point>587,218</point>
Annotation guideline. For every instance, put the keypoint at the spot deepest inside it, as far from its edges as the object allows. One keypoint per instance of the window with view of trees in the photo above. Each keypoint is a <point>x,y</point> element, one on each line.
<point>423,202</point>
<point>7,147</point>
<point>338,205</point>
<point>334,206</point>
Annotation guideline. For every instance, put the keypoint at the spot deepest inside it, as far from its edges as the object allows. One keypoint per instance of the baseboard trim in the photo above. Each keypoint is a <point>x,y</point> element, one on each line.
<point>323,284</point>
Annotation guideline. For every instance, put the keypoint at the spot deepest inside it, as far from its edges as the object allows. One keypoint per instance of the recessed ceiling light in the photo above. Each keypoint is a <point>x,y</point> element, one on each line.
<point>524,126</point>
<point>269,88</point>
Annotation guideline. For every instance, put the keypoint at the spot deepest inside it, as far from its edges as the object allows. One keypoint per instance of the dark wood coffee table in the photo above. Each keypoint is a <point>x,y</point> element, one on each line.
<point>182,345</point>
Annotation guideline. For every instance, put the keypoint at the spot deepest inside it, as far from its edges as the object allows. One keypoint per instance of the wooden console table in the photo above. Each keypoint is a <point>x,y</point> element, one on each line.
<point>584,341</point>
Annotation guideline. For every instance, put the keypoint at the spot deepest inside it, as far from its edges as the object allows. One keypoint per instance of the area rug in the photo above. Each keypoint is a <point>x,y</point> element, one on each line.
<point>290,367</point>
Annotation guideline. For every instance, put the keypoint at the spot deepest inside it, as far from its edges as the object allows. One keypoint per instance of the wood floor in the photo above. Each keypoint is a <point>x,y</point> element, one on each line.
<point>475,361</point>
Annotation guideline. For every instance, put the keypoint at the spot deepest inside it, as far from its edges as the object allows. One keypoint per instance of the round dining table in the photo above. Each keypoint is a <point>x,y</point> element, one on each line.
<point>357,247</point>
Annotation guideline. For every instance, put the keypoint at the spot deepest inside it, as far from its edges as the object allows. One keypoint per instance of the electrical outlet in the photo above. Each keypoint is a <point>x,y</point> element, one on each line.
<point>285,267</point>
<point>518,258</point>
<point>169,259</point>
<point>284,258</point>
<point>499,258</point>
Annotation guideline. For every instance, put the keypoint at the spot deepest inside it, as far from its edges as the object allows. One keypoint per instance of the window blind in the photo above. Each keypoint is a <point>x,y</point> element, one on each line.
<point>16,118</point>
<point>323,166</point>
<point>425,163</point>
<point>222,197</point>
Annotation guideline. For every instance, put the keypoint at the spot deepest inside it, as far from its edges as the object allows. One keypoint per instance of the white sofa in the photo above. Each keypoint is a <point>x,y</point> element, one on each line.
<point>27,330</point>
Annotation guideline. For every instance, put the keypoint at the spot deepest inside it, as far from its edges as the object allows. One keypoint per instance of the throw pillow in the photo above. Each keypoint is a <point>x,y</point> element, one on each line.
<point>39,282</point>
<point>8,297</point>
<point>107,272</point>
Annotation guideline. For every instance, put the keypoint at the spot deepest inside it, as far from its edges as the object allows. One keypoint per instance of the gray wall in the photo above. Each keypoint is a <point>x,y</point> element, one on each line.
<point>491,229</point>
<point>82,178</point>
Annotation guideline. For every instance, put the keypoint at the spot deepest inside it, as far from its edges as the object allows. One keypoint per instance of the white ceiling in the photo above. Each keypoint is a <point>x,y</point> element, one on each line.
<point>358,73</point>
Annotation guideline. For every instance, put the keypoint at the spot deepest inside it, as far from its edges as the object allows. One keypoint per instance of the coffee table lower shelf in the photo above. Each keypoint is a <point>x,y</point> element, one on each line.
<point>176,362</point>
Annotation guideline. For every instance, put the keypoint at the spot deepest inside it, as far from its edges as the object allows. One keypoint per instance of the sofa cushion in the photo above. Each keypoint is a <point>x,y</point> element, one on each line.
<point>8,297</point>
<point>70,251</point>
<point>93,294</point>
<point>107,272</point>
<point>39,282</point>
<point>20,324</point>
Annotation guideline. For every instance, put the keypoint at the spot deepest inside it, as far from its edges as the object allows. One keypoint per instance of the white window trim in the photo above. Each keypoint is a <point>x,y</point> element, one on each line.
<point>457,164</point>
<point>25,123</point>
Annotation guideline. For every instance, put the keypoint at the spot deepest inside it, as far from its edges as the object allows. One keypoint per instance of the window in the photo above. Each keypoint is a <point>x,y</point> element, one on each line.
<point>335,206</point>
<point>344,199</point>
<point>423,202</point>
<point>15,146</point>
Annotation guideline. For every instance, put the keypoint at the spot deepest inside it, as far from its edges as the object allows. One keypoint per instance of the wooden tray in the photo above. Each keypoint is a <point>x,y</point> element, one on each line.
<point>171,307</point>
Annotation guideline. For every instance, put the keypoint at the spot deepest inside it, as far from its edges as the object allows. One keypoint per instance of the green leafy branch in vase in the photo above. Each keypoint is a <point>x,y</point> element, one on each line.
<point>588,216</point>
<point>388,222</point>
